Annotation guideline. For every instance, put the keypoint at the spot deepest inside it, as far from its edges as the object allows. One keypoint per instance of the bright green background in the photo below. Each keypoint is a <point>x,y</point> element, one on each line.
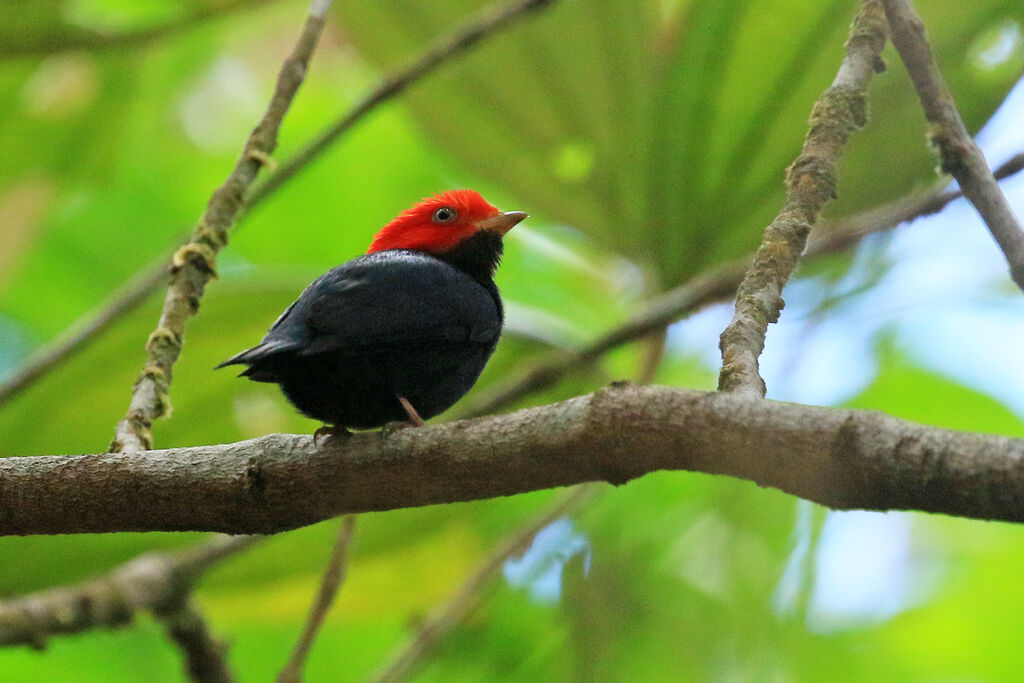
<point>646,139</point>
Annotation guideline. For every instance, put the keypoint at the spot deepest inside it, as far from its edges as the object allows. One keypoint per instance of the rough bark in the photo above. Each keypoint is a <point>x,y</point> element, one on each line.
<point>839,458</point>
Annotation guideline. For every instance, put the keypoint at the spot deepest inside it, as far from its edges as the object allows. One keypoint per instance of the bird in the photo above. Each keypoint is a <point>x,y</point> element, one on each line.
<point>400,333</point>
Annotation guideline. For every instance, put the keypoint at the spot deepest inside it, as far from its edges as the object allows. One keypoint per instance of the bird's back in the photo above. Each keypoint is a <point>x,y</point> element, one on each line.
<point>382,325</point>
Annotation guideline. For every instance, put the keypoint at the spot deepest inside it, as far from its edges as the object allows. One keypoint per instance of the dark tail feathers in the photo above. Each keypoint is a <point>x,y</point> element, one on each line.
<point>258,371</point>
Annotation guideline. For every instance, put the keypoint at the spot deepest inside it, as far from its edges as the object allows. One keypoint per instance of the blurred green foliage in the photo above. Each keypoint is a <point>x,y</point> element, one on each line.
<point>647,139</point>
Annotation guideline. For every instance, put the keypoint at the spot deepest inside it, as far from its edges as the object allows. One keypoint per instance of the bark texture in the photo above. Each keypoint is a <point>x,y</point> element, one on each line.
<point>810,184</point>
<point>839,458</point>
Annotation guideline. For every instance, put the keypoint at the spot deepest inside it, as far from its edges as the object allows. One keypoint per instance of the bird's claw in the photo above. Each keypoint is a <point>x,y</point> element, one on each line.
<point>391,427</point>
<point>330,433</point>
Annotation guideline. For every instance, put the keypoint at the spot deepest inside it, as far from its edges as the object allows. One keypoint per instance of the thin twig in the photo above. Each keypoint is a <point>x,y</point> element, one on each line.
<point>838,235</point>
<point>827,238</point>
<point>334,576</point>
<point>810,183</point>
<point>87,328</point>
<point>146,281</point>
<point>713,284</point>
<point>653,355</point>
<point>489,22</point>
<point>445,617</point>
<point>69,37</point>
<point>153,581</point>
<point>194,264</point>
<point>960,155</point>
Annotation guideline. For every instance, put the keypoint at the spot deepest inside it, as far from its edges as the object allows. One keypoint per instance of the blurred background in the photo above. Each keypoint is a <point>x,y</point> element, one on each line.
<point>647,139</point>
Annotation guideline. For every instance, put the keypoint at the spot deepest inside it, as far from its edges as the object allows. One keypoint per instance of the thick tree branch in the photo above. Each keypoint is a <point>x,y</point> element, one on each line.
<point>810,183</point>
<point>146,281</point>
<point>160,582</point>
<point>839,458</point>
<point>960,155</point>
<point>194,264</point>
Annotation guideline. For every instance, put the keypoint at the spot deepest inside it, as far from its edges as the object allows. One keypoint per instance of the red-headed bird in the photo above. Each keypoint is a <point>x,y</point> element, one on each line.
<point>402,332</point>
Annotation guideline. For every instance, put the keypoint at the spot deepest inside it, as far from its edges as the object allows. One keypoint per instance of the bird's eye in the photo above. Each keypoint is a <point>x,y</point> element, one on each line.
<point>445,214</point>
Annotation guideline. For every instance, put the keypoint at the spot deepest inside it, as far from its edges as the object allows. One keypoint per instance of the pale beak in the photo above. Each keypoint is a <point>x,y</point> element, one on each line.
<point>503,222</point>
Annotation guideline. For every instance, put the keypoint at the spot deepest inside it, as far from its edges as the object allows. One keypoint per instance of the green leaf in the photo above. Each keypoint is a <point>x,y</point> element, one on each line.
<point>664,135</point>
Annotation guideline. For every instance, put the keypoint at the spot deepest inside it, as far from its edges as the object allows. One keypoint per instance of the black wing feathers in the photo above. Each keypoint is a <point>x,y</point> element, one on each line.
<point>384,301</point>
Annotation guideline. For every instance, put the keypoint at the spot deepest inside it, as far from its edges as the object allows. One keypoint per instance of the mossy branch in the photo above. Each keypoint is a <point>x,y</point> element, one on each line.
<point>810,183</point>
<point>194,264</point>
<point>959,154</point>
<point>86,329</point>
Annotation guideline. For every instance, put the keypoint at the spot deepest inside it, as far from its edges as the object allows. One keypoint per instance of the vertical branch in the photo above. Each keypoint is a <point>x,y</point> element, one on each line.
<point>334,576</point>
<point>810,183</point>
<point>960,156</point>
<point>194,264</point>
<point>204,655</point>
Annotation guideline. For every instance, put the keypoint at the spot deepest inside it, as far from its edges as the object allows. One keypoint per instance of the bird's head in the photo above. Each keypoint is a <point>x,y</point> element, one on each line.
<point>440,224</point>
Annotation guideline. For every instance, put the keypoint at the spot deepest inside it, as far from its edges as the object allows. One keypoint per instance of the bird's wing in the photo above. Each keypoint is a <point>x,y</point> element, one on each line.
<point>387,302</point>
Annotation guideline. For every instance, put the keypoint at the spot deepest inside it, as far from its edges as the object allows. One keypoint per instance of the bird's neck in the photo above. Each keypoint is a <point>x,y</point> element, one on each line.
<point>478,256</point>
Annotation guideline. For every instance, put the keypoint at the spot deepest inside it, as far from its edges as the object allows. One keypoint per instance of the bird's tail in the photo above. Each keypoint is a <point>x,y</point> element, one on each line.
<point>246,357</point>
<point>255,358</point>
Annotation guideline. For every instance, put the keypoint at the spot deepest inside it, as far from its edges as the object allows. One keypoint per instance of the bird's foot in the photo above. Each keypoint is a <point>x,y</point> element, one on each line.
<point>391,427</point>
<point>414,417</point>
<point>329,432</point>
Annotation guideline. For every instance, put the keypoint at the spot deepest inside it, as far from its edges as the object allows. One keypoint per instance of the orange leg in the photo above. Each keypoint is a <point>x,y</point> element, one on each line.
<point>414,417</point>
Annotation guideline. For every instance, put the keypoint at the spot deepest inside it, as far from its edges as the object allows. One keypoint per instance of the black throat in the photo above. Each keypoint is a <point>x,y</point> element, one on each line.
<point>478,256</point>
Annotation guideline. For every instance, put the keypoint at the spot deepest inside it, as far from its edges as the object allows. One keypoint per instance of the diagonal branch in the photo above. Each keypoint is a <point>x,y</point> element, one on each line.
<point>492,20</point>
<point>445,616</point>
<point>449,614</point>
<point>69,37</point>
<point>156,581</point>
<point>151,277</point>
<point>204,654</point>
<point>77,336</point>
<point>713,284</point>
<point>194,264</point>
<point>960,155</point>
<point>839,458</point>
<point>810,184</point>
<point>334,576</point>
<point>838,235</point>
